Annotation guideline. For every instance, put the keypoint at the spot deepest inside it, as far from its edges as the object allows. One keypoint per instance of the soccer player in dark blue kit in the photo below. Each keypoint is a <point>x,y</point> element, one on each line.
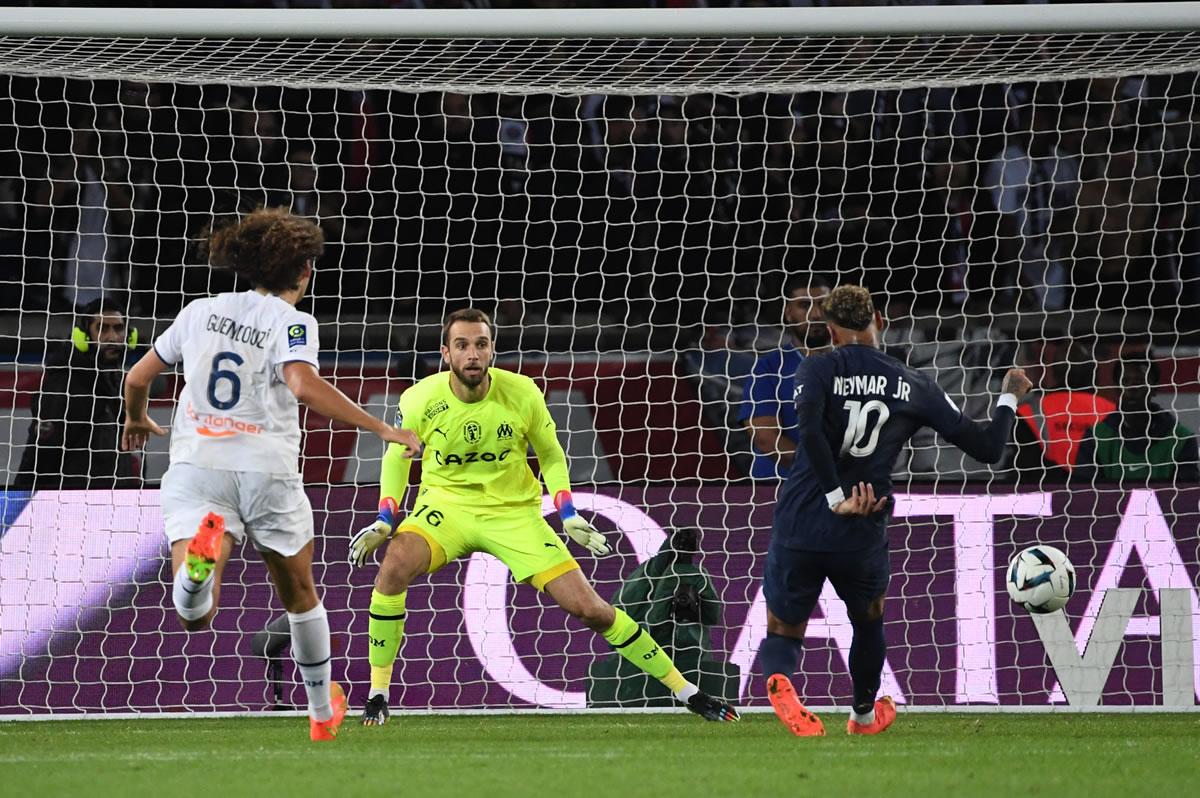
<point>857,407</point>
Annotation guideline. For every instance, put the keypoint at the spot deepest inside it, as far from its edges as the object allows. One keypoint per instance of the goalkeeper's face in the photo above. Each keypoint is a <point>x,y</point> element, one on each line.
<point>468,352</point>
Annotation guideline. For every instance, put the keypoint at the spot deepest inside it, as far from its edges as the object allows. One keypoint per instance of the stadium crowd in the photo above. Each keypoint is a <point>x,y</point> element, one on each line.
<point>677,211</point>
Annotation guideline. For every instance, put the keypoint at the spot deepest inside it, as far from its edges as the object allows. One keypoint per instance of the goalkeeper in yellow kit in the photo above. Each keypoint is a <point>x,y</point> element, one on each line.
<point>478,494</point>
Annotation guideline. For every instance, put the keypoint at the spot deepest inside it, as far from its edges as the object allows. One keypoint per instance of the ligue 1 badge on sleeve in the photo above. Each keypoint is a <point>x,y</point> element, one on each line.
<point>297,335</point>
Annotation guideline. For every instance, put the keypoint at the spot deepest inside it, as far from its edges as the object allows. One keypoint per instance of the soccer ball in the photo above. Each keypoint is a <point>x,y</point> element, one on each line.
<point>1040,578</point>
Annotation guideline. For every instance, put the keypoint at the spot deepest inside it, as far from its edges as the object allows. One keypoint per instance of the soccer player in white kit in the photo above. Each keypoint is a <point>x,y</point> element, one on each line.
<point>249,359</point>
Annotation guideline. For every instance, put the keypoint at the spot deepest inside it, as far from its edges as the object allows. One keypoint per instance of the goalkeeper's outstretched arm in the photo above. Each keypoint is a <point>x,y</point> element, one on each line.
<point>396,467</point>
<point>543,436</point>
<point>393,482</point>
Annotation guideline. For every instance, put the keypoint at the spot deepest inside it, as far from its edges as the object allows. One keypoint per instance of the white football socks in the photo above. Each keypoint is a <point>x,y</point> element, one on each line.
<point>192,601</point>
<point>865,720</point>
<point>686,692</point>
<point>310,649</point>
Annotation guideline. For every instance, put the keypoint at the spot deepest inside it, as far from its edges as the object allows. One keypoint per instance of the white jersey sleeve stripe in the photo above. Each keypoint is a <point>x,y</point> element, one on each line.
<point>161,356</point>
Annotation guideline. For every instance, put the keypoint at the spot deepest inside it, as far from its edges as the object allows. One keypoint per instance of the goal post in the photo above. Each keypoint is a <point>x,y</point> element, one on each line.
<point>633,195</point>
<point>600,23</point>
<point>595,50</point>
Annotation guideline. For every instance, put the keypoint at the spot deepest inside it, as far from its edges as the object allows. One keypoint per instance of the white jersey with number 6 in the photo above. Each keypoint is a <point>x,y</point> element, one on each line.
<point>235,412</point>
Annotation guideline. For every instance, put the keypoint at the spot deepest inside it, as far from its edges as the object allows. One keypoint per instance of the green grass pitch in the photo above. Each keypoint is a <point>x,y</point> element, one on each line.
<point>642,756</point>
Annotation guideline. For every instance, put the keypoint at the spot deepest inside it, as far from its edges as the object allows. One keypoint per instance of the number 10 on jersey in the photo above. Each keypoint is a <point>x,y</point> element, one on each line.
<point>861,436</point>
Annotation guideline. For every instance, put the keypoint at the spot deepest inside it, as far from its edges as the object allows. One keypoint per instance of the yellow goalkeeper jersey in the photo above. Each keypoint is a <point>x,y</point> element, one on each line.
<point>478,451</point>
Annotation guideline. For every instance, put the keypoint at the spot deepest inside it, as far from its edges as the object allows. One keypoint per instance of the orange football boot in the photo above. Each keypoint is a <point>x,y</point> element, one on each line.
<point>799,720</point>
<point>205,547</point>
<point>885,713</point>
<point>321,730</point>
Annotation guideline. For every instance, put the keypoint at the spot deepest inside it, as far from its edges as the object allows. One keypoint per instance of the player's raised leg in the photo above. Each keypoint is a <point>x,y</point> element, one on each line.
<point>575,594</point>
<point>309,623</point>
<point>408,556</point>
<point>197,564</point>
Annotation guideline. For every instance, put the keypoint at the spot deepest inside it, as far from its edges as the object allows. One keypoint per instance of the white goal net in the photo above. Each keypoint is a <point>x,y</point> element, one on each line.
<point>646,218</point>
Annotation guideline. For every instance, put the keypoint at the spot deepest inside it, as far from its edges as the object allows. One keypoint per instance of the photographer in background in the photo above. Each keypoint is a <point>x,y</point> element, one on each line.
<point>1140,441</point>
<point>673,598</point>
<point>671,593</point>
<point>76,416</point>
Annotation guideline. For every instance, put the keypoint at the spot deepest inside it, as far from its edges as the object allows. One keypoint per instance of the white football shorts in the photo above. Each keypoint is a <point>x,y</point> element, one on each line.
<point>271,509</point>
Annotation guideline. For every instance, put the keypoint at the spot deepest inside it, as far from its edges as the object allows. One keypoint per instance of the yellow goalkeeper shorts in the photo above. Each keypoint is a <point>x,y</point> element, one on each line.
<point>518,537</point>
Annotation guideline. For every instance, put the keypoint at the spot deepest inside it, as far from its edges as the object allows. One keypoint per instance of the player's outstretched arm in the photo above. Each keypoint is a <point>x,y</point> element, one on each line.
<point>138,424</point>
<point>392,485</point>
<point>984,442</point>
<point>576,527</point>
<point>317,393</point>
<point>543,436</point>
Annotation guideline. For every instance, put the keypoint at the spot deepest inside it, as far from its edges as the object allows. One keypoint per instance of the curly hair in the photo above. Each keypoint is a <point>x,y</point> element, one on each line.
<point>269,247</point>
<point>850,307</point>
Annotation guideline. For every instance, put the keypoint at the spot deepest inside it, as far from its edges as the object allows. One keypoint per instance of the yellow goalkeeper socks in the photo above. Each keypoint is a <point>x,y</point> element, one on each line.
<point>636,645</point>
<point>384,632</point>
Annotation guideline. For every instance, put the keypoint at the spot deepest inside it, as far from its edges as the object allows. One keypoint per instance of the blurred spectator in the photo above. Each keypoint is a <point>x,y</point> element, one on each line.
<point>651,217</point>
<point>950,263</point>
<point>307,196</point>
<point>75,428</point>
<point>854,176</point>
<point>96,261</point>
<point>1113,230</point>
<point>258,156</point>
<point>1140,440</point>
<point>1059,412</point>
<point>25,244</point>
<point>1032,180</point>
<point>768,409</point>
